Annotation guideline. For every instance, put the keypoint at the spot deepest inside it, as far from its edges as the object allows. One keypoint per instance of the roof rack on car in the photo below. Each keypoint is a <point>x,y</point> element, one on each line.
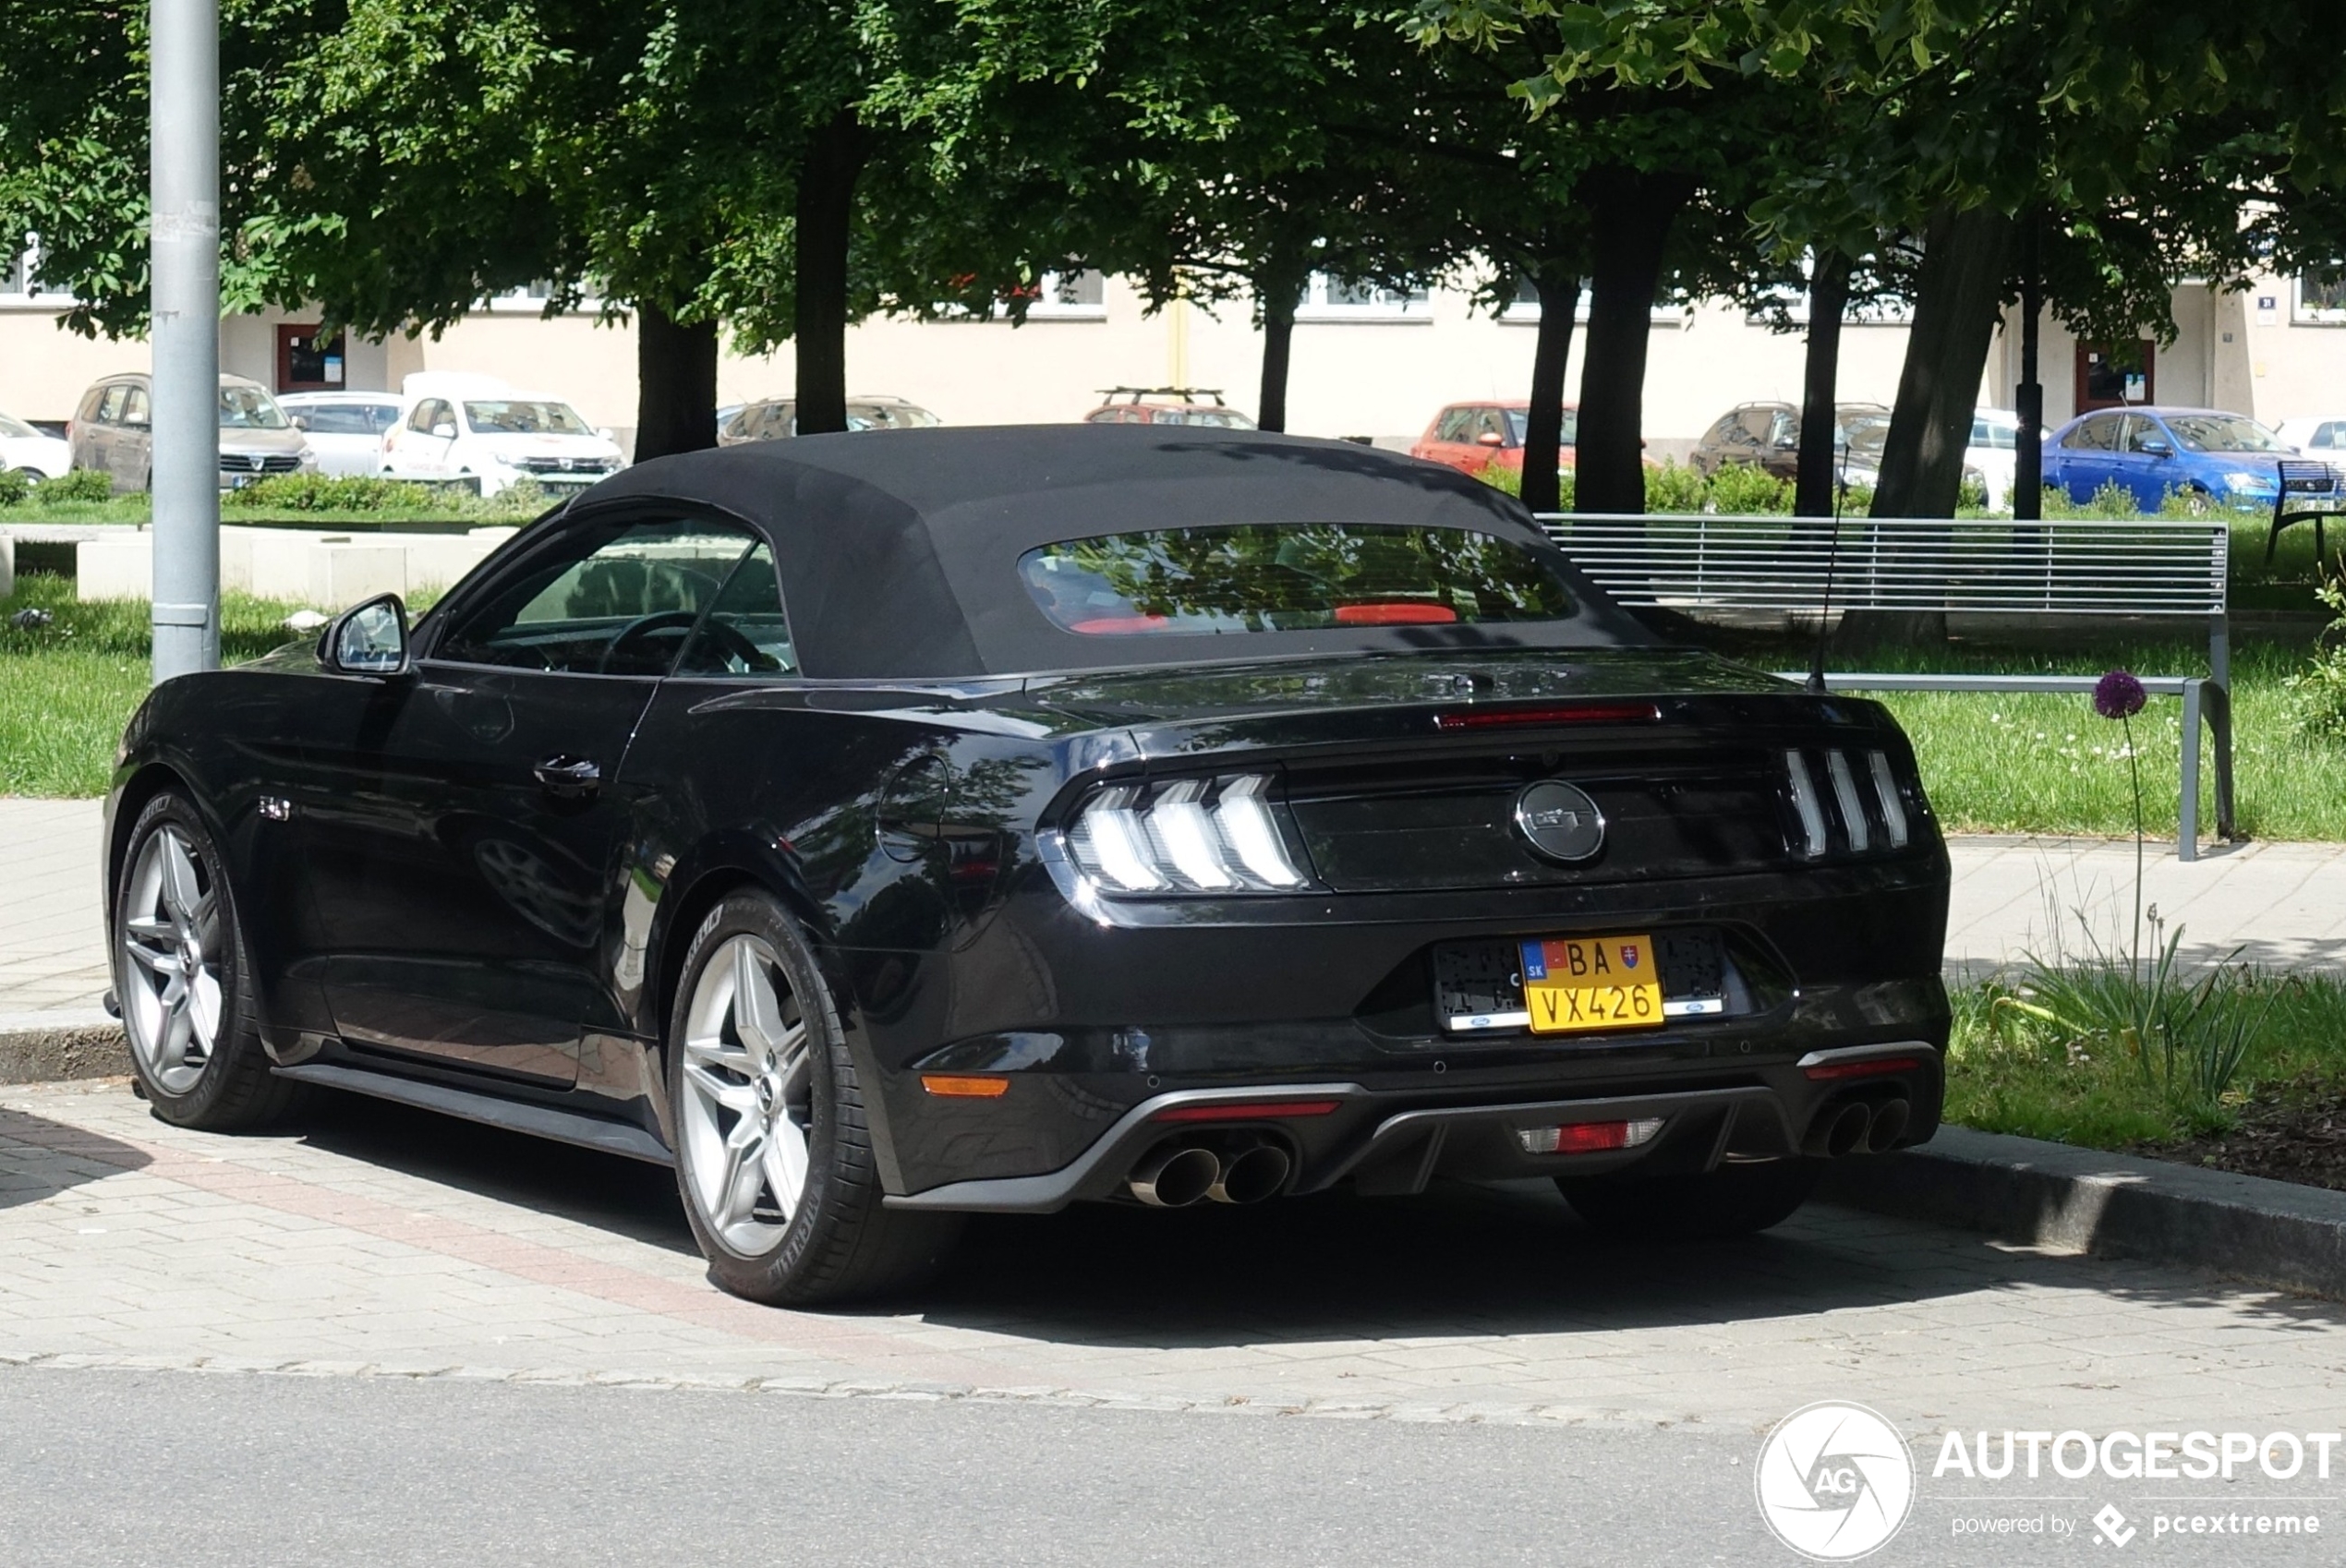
<point>1188,394</point>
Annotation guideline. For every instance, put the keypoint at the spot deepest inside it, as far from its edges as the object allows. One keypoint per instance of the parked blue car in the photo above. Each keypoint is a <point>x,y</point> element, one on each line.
<point>2216,459</point>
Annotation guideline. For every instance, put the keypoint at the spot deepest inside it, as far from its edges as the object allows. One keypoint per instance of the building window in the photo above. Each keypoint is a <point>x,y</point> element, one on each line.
<point>1523,310</point>
<point>1334,299</point>
<point>307,360</point>
<point>2321,301</point>
<point>20,287</point>
<point>1065,296</point>
<point>531,297</point>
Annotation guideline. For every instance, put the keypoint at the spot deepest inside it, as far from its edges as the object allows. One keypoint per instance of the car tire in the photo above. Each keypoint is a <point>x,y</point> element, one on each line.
<point>764,1096</point>
<point>1732,1200</point>
<point>195,1047</point>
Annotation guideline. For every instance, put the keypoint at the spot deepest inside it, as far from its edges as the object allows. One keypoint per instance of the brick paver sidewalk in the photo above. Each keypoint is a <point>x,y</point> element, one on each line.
<point>376,1241</point>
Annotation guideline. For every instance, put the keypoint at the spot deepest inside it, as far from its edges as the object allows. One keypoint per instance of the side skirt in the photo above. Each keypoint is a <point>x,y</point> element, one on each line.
<point>538,1121</point>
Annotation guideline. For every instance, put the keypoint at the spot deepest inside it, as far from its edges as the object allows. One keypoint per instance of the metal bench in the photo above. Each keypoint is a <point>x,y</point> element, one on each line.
<point>1984,566</point>
<point>2303,480</point>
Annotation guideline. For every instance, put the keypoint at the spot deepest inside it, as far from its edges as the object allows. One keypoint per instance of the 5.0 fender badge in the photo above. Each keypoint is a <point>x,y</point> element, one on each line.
<point>1559,821</point>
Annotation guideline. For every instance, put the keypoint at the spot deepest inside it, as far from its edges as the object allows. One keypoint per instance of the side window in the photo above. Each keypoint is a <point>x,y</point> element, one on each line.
<point>1486,422</point>
<point>1751,428</point>
<point>340,419</point>
<point>2327,435</point>
<point>2095,435</point>
<point>430,411</point>
<point>134,407</point>
<point>744,631</point>
<point>110,411</point>
<point>609,599</point>
<point>1452,426</point>
<point>1784,429</point>
<point>89,402</point>
<point>2140,429</point>
<point>1982,433</point>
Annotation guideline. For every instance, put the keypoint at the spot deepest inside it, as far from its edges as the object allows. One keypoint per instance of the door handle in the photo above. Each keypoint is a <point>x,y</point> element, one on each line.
<point>568,776</point>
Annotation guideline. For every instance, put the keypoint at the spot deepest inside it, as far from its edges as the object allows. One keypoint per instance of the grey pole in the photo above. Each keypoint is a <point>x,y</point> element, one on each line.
<point>185,150</point>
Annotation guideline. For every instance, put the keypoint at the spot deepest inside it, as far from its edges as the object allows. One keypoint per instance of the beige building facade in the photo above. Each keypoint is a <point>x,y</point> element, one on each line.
<point>1366,363</point>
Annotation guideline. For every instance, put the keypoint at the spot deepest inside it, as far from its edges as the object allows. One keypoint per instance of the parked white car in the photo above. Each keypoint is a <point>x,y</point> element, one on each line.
<point>31,453</point>
<point>2320,435</point>
<point>346,428</point>
<point>477,432</point>
<point>1995,445</point>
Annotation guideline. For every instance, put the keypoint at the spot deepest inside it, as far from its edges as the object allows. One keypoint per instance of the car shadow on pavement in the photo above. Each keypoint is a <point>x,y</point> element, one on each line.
<point>40,1159</point>
<point>626,1197</point>
<point>1460,1259</point>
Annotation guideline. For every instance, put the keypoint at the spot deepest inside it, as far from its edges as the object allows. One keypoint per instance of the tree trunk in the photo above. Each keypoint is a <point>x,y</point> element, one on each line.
<point>675,384</point>
<point>1276,295</point>
<point>1630,214</point>
<point>825,213</point>
<point>1956,297</point>
<point>1544,426</point>
<point>1827,296</point>
<point>1961,286</point>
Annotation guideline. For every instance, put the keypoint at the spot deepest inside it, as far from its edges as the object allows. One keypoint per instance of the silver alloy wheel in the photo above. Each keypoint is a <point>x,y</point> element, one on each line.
<point>748,1102</point>
<point>169,971</point>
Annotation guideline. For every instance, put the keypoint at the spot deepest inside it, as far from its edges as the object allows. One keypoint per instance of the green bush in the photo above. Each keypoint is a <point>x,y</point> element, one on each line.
<point>1740,490</point>
<point>15,485</point>
<point>1673,488</point>
<point>77,483</point>
<point>1510,481</point>
<point>324,492</point>
<point>2320,687</point>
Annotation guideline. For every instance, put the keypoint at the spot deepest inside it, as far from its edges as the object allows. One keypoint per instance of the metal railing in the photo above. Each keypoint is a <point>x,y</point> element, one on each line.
<point>1692,563</point>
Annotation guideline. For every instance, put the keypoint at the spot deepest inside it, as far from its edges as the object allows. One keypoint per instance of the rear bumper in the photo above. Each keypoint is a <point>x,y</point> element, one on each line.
<point>1396,1141</point>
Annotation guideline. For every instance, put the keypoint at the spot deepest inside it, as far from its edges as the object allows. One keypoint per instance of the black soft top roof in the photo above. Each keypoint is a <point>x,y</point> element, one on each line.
<point>899,549</point>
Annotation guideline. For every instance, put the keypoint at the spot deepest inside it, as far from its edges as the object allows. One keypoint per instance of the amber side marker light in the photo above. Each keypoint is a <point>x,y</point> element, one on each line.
<point>957,1088</point>
<point>1254,1112</point>
<point>1875,1068</point>
<point>1583,713</point>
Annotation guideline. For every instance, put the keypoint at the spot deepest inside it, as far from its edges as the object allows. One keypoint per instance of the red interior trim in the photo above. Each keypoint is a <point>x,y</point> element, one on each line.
<point>1579,713</point>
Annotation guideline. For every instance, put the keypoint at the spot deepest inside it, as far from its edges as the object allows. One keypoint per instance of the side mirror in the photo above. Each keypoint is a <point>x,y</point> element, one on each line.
<point>604,431</point>
<point>1490,438</point>
<point>446,430</point>
<point>366,639</point>
<point>2155,448</point>
<point>300,421</point>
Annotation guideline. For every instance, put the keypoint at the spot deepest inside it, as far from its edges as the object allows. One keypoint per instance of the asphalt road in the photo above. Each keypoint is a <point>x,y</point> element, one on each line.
<point>194,1469</point>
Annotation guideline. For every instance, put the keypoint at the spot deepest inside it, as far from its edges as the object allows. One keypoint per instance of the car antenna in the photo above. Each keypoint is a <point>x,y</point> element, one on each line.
<point>1825,609</point>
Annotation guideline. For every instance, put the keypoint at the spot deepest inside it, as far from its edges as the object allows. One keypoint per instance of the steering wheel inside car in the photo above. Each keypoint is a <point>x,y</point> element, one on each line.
<point>725,635</point>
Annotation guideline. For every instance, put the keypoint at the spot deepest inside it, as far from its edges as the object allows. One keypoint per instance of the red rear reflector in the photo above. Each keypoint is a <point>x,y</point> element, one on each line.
<point>1586,713</point>
<point>964,1088</point>
<point>1248,1113</point>
<point>1874,1068</point>
<point>1402,612</point>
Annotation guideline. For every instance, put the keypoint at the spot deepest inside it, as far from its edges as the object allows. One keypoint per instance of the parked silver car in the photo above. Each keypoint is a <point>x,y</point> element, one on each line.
<point>346,428</point>
<point>113,430</point>
<point>774,418</point>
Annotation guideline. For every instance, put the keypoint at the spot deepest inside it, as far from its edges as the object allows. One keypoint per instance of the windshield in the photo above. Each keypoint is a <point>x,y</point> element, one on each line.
<point>249,408</point>
<point>2222,432</point>
<point>1299,577</point>
<point>888,416</point>
<point>14,429</point>
<point>1864,432</point>
<point>1219,418</point>
<point>1519,420</point>
<point>523,417</point>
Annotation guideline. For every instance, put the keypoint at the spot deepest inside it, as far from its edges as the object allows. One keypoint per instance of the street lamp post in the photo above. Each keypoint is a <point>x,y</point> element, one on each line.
<point>184,129</point>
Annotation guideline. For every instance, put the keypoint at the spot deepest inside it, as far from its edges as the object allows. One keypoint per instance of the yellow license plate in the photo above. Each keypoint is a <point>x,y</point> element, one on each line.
<point>1575,983</point>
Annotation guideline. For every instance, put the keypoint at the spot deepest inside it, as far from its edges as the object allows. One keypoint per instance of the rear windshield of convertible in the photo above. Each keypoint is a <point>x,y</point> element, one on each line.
<point>1290,577</point>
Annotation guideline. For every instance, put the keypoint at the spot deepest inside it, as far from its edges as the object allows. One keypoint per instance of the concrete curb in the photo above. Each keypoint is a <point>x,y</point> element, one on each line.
<point>2111,1205</point>
<point>44,1047</point>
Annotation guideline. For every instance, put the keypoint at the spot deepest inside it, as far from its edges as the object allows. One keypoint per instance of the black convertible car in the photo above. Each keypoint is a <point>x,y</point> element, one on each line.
<point>888,826</point>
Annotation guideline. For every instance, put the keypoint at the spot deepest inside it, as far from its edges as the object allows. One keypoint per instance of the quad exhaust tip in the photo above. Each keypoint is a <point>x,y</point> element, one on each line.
<point>1176,1175</point>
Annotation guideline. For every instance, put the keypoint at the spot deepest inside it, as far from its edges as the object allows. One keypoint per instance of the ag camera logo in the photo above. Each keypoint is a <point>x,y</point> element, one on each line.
<point>1834,1481</point>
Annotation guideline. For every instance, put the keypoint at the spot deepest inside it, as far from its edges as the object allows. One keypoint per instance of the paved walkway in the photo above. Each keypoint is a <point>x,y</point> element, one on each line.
<point>2281,904</point>
<point>376,1241</point>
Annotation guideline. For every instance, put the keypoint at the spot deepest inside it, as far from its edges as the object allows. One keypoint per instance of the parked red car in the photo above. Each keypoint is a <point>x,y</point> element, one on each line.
<point>1471,437</point>
<point>1168,406</point>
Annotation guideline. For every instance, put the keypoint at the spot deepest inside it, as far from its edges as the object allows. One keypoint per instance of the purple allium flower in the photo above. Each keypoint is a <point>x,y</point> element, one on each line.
<point>2118,695</point>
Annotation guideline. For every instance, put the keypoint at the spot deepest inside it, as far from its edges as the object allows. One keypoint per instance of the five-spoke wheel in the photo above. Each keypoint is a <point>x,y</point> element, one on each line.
<point>747,1107</point>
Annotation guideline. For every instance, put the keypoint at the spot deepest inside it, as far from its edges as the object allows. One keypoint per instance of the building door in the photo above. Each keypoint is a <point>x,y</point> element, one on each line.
<point>309,360</point>
<point>2104,383</point>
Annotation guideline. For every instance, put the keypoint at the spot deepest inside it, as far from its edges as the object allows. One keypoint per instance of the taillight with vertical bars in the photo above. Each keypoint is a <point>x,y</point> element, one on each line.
<point>1846,801</point>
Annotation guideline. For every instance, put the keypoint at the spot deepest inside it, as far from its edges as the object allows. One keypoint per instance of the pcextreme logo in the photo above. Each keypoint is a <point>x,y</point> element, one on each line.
<point>1834,1481</point>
